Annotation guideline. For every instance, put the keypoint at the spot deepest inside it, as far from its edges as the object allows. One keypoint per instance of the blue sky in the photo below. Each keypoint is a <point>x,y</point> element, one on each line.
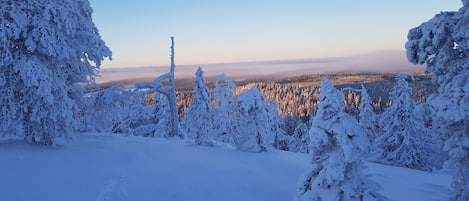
<point>220,31</point>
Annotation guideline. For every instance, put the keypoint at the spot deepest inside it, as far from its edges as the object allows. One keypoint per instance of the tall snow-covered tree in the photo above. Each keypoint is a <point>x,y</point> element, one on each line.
<point>224,109</point>
<point>404,140</point>
<point>367,117</point>
<point>443,44</point>
<point>161,112</point>
<point>337,147</point>
<point>279,138</point>
<point>197,122</point>
<point>252,130</point>
<point>48,49</point>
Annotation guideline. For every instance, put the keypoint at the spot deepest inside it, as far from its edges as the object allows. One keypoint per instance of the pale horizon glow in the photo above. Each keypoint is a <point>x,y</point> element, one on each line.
<point>210,31</point>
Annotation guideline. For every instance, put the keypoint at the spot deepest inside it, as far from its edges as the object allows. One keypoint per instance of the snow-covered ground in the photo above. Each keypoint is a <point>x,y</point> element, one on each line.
<point>113,168</point>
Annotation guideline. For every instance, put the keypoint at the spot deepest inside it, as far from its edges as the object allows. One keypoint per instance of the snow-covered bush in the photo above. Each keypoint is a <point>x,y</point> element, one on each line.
<point>105,113</point>
<point>197,122</point>
<point>404,140</point>
<point>300,139</point>
<point>48,50</point>
<point>120,110</point>
<point>337,148</point>
<point>443,44</point>
<point>252,131</point>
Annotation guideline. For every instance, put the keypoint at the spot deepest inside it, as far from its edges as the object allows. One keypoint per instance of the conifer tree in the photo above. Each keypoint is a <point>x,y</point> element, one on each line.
<point>224,109</point>
<point>404,140</point>
<point>48,50</point>
<point>252,131</point>
<point>367,117</point>
<point>443,43</point>
<point>197,122</point>
<point>337,147</point>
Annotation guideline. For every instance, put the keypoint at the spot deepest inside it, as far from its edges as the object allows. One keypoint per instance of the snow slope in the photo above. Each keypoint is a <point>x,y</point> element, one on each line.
<point>103,167</point>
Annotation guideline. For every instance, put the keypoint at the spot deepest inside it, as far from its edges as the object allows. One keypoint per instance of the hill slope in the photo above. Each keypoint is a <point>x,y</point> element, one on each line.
<point>134,168</point>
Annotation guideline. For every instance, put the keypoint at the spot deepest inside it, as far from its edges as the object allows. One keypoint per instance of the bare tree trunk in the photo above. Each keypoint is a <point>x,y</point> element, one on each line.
<point>175,130</point>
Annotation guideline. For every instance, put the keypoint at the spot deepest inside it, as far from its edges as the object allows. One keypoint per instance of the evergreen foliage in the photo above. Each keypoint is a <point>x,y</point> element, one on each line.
<point>443,44</point>
<point>197,122</point>
<point>404,140</point>
<point>48,50</point>
<point>338,145</point>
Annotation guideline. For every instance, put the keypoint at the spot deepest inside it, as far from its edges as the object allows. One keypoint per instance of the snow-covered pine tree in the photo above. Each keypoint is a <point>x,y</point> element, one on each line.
<point>48,49</point>
<point>367,117</point>
<point>276,133</point>
<point>443,44</point>
<point>197,122</point>
<point>404,140</point>
<point>337,148</point>
<point>161,112</point>
<point>368,120</point>
<point>252,131</point>
<point>224,109</point>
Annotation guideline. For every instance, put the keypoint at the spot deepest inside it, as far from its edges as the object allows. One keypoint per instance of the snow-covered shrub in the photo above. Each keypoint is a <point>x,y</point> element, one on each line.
<point>300,139</point>
<point>252,133</point>
<point>337,148</point>
<point>48,50</point>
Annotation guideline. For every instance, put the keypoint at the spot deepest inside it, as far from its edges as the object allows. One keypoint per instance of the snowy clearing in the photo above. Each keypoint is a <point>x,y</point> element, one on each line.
<point>102,167</point>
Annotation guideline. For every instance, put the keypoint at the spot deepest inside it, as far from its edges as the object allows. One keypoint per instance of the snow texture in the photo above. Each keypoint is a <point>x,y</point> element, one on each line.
<point>115,167</point>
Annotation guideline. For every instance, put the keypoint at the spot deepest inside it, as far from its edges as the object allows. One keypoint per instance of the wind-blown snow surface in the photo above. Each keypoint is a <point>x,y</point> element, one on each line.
<point>103,167</point>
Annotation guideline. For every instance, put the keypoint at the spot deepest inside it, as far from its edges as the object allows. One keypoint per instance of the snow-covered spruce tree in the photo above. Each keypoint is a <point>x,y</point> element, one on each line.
<point>47,50</point>
<point>443,44</point>
<point>161,114</point>
<point>367,117</point>
<point>279,138</point>
<point>224,109</point>
<point>337,148</point>
<point>404,140</point>
<point>252,133</point>
<point>197,122</point>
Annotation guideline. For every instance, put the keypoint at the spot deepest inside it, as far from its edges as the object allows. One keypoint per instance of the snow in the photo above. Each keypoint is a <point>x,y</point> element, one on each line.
<point>114,167</point>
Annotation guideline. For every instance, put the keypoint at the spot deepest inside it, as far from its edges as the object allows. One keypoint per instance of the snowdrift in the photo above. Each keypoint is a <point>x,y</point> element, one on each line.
<point>103,167</point>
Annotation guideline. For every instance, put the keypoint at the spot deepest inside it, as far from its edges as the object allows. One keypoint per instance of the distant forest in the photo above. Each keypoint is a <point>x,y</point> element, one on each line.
<point>298,96</point>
